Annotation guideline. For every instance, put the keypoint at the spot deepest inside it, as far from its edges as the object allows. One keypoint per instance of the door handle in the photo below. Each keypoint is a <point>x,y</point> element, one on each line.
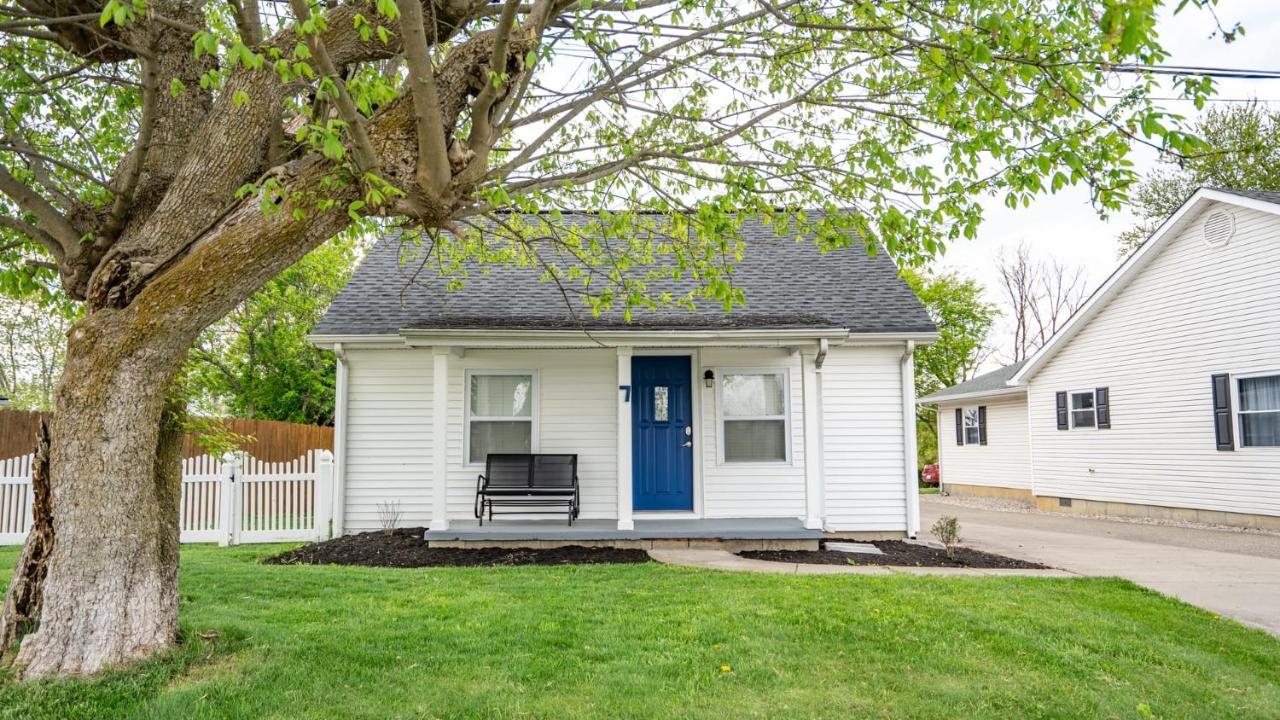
<point>687,443</point>
<point>688,433</point>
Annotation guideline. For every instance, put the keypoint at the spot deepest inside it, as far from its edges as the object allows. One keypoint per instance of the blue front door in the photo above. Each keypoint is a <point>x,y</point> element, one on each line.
<point>662,433</point>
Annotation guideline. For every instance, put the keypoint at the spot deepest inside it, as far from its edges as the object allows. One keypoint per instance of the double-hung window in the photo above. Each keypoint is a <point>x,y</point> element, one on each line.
<point>500,413</point>
<point>972,426</point>
<point>753,416</point>
<point>1259,410</point>
<point>1083,409</point>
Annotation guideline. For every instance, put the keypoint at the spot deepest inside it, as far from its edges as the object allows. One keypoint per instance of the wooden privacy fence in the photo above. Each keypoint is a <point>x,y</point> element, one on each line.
<point>271,440</point>
<point>232,500</point>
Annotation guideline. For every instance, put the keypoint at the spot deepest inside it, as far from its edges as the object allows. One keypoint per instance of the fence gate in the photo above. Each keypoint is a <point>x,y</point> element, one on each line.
<point>231,500</point>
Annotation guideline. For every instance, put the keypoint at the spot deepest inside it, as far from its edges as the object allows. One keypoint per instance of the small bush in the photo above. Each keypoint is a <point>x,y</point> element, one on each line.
<point>389,515</point>
<point>947,530</point>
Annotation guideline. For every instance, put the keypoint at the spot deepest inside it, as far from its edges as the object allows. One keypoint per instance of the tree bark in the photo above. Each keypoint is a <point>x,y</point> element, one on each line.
<point>23,600</point>
<point>114,487</point>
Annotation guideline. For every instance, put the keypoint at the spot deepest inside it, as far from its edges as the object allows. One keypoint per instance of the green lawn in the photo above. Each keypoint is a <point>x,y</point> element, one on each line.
<point>655,641</point>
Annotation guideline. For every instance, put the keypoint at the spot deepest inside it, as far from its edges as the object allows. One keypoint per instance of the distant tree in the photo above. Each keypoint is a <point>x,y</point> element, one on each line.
<point>964,319</point>
<point>33,340</point>
<point>1245,142</point>
<point>257,362</point>
<point>1040,296</point>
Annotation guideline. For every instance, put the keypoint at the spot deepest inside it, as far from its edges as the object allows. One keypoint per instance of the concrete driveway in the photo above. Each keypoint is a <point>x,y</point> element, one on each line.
<point>1230,573</point>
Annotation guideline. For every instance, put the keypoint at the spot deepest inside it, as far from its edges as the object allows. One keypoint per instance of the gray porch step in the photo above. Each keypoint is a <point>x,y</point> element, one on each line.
<point>604,530</point>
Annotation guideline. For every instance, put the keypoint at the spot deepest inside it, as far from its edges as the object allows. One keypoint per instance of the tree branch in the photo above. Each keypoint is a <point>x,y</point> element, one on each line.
<point>124,194</point>
<point>366,159</point>
<point>51,221</point>
<point>432,173</point>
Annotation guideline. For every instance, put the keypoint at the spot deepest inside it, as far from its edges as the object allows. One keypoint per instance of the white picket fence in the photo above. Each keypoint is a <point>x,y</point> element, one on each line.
<point>234,500</point>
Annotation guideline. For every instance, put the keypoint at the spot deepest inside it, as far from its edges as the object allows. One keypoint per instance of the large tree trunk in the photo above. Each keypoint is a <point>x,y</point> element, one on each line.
<point>23,600</point>
<point>111,591</point>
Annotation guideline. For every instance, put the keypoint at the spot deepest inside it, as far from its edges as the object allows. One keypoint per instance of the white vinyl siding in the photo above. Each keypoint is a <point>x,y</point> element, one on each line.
<point>575,413</point>
<point>574,410</point>
<point>1193,312</point>
<point>388,453</point>
<point>751,489</point>
<point>1005,461</point>
<point>862,441</point>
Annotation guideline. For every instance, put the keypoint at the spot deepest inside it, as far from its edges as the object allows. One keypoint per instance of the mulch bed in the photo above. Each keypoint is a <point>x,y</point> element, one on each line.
<point>897,552</point>
<point>405,548</point>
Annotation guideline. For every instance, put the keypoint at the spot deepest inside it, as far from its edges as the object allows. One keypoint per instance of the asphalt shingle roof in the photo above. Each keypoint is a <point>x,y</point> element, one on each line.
<point>788,284</point>
<point>993,381</point>
<point>1263,195</point>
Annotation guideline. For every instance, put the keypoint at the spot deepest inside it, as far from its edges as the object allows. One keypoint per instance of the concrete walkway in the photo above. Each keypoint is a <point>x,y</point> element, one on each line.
<point>725,560</point>
<point>1234,574</point>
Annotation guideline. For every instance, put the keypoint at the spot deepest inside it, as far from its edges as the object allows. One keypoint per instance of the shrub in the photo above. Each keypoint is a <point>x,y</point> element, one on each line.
<point>947,530</point>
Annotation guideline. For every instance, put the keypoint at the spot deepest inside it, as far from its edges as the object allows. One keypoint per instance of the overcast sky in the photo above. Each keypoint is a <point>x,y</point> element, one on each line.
<point>1065,226</point>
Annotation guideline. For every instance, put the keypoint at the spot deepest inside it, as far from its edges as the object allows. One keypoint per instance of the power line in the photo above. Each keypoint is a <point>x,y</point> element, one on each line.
<point>1232,73</point>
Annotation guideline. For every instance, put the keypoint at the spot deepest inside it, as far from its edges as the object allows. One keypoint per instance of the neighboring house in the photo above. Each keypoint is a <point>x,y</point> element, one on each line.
<point>1161,396</point>
<point>983,445</point>
<point>783,419</point>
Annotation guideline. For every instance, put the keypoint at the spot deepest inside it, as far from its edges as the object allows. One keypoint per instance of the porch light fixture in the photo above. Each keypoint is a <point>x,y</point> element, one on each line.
<point>709,379</point>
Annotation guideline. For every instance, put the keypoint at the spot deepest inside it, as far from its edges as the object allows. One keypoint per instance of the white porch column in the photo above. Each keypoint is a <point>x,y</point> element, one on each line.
<point>625,521</point>
<point>813,487</point>
<point>440,439</point>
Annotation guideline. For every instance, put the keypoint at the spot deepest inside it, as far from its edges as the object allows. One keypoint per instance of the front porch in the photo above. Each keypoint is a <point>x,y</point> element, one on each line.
<point>735,533</point>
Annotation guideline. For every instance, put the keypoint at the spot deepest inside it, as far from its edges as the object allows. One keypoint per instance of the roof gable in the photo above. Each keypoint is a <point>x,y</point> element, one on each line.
<point>788,284</point>
<point>1138,260</point>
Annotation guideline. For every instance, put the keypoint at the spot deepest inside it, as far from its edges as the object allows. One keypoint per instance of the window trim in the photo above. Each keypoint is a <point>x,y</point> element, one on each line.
<point>721,375</point>
<point>977,424</point>
<point>1071,411</point>
<point>534,408</point>
<point>1236,412</point>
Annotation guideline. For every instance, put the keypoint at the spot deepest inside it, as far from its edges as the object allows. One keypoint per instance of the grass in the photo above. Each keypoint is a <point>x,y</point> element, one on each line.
<point>651,641</point>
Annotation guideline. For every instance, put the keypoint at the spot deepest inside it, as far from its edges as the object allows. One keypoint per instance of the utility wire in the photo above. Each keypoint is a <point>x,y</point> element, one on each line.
<point>1234,73</point>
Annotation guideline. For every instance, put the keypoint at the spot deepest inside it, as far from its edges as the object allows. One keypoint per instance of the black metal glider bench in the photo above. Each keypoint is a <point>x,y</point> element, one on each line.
<point>522,480</point>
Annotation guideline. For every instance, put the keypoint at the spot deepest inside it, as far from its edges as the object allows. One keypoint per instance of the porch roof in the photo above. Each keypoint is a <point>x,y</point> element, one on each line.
<point>787,284</point>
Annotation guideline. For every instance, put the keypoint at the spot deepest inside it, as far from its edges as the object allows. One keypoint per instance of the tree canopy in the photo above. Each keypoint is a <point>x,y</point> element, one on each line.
<point>1243,154</point>
<point>159,115</point>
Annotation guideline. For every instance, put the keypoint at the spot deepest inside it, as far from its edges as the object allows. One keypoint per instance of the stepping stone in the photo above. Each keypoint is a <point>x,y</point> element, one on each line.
<point>854,547</point>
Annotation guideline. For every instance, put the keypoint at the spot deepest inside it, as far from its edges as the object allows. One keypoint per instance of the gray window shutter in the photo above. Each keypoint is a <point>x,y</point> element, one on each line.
<point>1102,403</point>
<point>982,424</point>
<point>1222,412</point>
<point>959,426</point>
<point>1061,398</point>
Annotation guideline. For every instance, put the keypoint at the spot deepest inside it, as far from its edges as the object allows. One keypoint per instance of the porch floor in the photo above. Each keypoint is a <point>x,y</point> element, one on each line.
<point>606,530</point>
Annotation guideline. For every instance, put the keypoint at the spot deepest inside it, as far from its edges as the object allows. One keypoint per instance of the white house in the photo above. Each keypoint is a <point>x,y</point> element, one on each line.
<point>782,420</point>
<point>1160,397</point>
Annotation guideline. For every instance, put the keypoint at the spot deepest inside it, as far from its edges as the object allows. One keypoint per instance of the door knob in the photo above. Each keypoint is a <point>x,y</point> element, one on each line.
<point>687,443</point>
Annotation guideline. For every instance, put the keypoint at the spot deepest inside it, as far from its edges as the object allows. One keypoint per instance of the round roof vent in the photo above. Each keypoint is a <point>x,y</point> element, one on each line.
<point>1219,226</point>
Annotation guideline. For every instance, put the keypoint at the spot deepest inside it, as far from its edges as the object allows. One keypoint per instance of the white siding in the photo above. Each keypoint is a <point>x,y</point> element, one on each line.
<point>771,489</point>
<point>576,406</point>
<point>1005,461</point>
<point>389,434</point>
<point>862,439</point>
<point>1194,311</point>
<point>388,453</point>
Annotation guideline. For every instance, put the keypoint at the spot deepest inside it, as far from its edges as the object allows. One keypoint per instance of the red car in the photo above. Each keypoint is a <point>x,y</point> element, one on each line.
<point>931,475</point>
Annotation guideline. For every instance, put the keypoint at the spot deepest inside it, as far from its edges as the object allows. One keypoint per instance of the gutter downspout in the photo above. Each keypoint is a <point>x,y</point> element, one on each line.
<point>911,484</point>
<point>339,443</point>
<point>823,346</point>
